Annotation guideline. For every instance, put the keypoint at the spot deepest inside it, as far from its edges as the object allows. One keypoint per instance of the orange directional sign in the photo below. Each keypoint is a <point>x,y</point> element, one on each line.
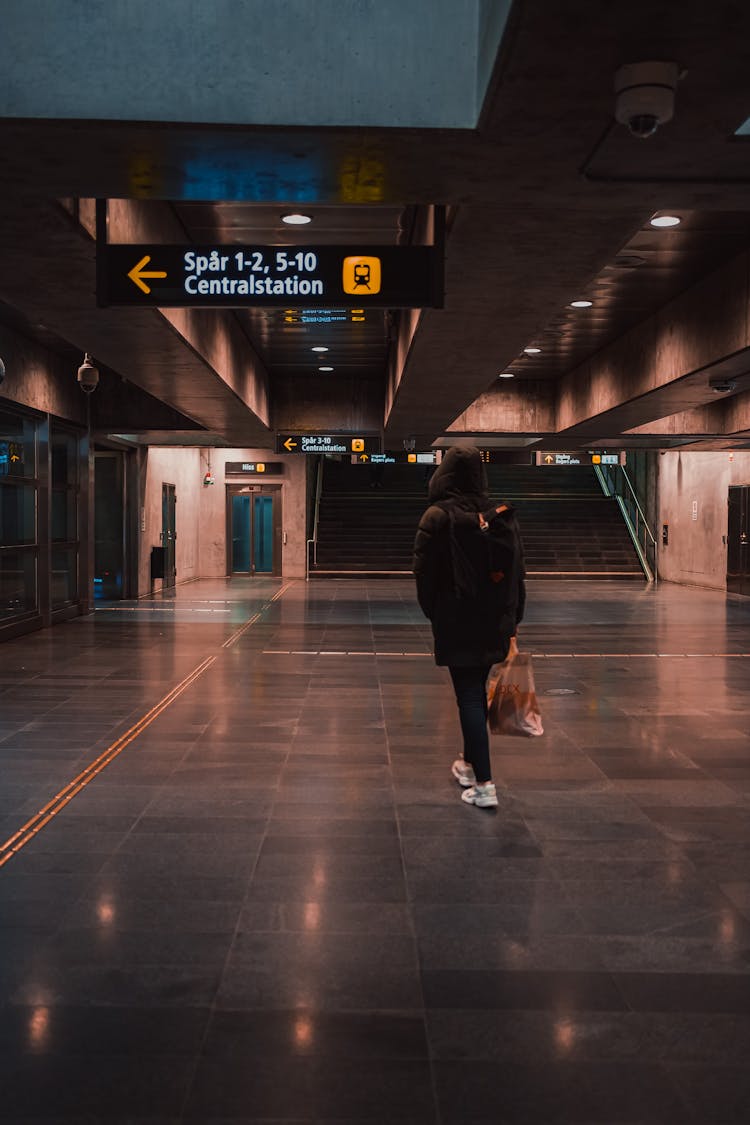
<point>138,273</point>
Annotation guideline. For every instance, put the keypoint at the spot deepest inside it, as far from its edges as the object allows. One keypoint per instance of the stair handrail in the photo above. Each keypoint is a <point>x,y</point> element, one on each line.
<point>316,515</point>
<point>605,475</point>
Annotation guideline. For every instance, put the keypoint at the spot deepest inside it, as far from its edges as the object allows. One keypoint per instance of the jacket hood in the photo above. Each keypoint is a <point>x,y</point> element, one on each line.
<point>460,473</point>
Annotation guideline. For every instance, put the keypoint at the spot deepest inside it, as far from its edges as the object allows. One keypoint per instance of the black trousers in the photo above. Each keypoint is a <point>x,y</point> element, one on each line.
<point>471,697</point>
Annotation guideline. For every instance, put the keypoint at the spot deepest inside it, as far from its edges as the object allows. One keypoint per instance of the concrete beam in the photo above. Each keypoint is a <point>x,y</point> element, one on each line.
<point>421,64</point>
<point>213,334</point>
<point>497,300</point>
<point>527,408</point>
<point>663,366</point>
<point>207,372</point>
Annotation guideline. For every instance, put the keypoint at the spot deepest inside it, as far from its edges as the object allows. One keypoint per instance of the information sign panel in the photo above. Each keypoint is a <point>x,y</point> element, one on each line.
<point>253,468</point>
<point>237,276</point>
<point>398,457</point>
<point>328,443</point>
<point>573,460</point>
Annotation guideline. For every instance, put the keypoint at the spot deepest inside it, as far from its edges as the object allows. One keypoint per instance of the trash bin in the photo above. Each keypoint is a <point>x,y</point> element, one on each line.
<point>157,562</point>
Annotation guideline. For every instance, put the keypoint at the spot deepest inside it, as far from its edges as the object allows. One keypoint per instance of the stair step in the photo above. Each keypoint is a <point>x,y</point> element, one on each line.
<point>569,528</point>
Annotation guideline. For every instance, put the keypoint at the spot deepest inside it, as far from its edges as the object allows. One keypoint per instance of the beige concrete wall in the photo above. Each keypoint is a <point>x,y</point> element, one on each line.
<point>201,509</point>
<point>182,468</point>
<point>697,553</point>
<point>213,557</point>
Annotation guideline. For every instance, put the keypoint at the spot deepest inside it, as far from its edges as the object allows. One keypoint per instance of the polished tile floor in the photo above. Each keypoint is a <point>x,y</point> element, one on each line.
<point>272,906</point>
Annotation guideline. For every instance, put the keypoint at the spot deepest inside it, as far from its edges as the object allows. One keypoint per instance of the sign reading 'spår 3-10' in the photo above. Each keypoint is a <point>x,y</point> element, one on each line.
<point>235,276</point>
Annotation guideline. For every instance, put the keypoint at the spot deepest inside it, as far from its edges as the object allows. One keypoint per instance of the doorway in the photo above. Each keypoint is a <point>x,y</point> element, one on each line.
<point>169,533</point>
<point>254,531</point>
<point>738,541</point>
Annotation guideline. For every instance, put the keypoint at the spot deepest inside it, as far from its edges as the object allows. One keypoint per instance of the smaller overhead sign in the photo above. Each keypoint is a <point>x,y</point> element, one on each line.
<point>253,468</point>
<point>576,460</point>
<point>363,444</point>
<point>398,457</point>
<point>324,316</point>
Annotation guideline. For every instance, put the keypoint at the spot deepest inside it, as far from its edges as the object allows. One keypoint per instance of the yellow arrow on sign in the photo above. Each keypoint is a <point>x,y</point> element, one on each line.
<point>289,444</point>
<point>138,273</point>
<point>549,459</point>
<point>363,457</point>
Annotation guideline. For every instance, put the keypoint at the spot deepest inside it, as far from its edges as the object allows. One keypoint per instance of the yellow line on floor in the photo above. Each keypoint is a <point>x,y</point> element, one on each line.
<point>35,823</point>
<point>236,636</point>
<point>61,799</point>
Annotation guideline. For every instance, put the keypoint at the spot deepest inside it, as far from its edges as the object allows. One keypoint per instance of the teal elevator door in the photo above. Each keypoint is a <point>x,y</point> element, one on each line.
<point>263,534</point>
<point>252,534</point>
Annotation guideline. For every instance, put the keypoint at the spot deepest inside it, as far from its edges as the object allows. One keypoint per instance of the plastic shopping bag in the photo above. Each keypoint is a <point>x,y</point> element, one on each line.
<point>511,697</point>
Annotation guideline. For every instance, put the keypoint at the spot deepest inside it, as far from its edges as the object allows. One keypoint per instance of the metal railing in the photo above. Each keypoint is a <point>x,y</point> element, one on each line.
<point>615,482</point>
<point>313,542</point>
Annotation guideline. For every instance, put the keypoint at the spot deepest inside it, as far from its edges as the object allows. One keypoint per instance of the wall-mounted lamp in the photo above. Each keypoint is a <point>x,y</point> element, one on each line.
<point>88,375</point>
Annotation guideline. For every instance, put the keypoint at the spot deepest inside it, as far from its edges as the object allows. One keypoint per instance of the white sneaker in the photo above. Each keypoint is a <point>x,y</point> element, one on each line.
<point>483,796</point>
<point>463,773</point>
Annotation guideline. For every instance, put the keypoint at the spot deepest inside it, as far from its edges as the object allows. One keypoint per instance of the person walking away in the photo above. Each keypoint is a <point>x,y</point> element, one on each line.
<point>474,603</point>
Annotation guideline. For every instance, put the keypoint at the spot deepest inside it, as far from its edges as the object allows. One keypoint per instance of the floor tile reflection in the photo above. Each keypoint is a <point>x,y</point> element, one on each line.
<point>272,906</point>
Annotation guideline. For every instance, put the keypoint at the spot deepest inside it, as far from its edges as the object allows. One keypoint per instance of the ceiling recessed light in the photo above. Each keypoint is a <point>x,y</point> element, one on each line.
<point>581,304</point>
<point>506,375</point>
<point>320,348</point>
<point>666,221</point>
<point>532,351</point>
<point>627,262</point>
<point>296,219</point>
<point>325,369</point>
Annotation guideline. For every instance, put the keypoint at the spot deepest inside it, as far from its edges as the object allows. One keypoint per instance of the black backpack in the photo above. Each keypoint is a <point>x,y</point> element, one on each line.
<point>486,553</point>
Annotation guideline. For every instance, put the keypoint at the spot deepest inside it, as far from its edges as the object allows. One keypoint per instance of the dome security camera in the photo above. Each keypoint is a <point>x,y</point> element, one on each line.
<point>645,95</point>
<point>722,386</point>
<point>88,375</point>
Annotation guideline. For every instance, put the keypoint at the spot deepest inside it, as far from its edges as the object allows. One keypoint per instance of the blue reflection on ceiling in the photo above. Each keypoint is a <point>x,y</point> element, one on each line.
<point>240,175</point>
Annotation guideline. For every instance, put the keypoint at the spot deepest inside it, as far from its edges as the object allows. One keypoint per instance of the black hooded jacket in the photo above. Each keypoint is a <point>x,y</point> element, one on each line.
<point>472,618</point>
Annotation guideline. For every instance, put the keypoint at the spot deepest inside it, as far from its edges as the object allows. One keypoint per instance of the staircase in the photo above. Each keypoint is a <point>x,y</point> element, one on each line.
<point>569,528</point>
<point>368,530</point>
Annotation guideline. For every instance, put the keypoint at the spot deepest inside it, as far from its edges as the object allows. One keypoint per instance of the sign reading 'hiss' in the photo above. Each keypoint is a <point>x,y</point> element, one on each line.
<point>236,276</point>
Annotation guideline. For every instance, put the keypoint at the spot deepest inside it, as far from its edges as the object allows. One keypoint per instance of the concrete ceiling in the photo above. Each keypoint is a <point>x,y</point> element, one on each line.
<point>549,200</point>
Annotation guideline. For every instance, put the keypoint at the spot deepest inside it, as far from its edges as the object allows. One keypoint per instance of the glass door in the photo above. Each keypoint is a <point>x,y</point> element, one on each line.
<point>19,526</point>
<point>738,542</point>
<point>109,525</point>
<point>241,531</point>
<point>262,534</point>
